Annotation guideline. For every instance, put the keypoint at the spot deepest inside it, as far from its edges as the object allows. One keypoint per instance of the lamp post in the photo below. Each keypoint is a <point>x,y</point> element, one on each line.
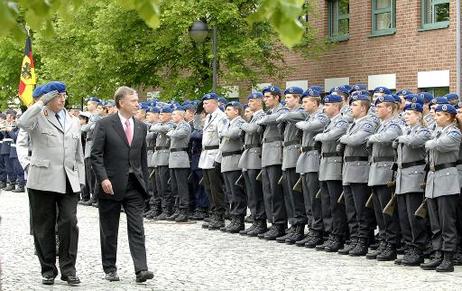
<point>199,32</point>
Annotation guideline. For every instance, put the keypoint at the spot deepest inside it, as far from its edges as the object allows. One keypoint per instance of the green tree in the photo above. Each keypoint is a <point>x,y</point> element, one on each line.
<point>102,45</point>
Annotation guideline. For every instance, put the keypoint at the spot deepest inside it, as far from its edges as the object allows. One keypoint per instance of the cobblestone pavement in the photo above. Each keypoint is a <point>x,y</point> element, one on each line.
<point>186,257</point>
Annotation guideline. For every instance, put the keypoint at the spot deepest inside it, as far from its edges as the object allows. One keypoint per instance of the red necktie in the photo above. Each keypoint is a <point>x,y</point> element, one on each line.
<point>128,132</point>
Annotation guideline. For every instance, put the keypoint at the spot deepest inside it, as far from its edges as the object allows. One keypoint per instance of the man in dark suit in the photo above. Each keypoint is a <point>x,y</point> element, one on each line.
<point>119,159</point>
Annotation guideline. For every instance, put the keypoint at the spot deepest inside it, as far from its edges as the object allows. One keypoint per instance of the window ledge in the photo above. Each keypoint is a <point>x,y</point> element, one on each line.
<point>433,26</point>
<point>384,32</point>
<point>339,38</point>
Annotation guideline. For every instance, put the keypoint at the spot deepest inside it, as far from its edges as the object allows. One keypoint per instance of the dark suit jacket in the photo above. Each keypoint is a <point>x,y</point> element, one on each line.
<point>111,156</point>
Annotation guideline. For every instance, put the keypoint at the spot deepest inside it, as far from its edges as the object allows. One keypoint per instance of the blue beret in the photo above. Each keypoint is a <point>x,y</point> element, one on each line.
<point>293,90</point>
<point>358,87</point>
<point>210,96</point>
<point>272,89</point>
<point>404,92</point>
<point>426,96</point>
<point>359,97</point>
<point>415,98</point>
<point>385,98</point>
<point>255,95</point>
<point>190,106</point>
<point>452,96</point>
<point>344,89</point>
<point>109,103</point>
<point>397,99</point>
<point>317,88</point>
<point>93,99</point>
<point>54,86</point>
<point>222,100</point>
<point>332,99</point>
<point>38,92</point>
<point>166,109</point>
<point>234,104</point>
<point>414,106</point>
<point>153,109</point>
<point>179,108</point>
<point>310,92</point>
<point>448,108</point>
<point>383,90</point>
<point>440,100</point>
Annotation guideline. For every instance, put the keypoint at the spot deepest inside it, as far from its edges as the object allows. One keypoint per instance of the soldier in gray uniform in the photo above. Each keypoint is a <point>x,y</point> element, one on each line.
<point>308,166</point>
<point>356,171</point>
<point>330,169</point>
<point>160,163</point>
<point>381,174</point>
<point>213,180</point>
<point>295,206</point>
<point>410,175</point>
<point>250,163</point>
<point>178,162</point>
<point>442,189</point>
<point>155,203</point>
<point>271,161</point>
<point>231,149</point>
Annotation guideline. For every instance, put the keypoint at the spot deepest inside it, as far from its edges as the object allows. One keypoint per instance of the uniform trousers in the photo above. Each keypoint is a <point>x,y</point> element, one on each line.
<point>364,215</point>
<point>179,185</point>
<point>254,192</point>
<point>273,195</point>
<point>337,210</point>
<point>237,196</point>
<point>350,212</point>
<point>413,228</point>
<point>213,183</point>
<point>48,210</point>
<point>442,213</point>
<point>294,200</point>
<point>162,174</point>
<point>390,223</point>
<point>310,187</point>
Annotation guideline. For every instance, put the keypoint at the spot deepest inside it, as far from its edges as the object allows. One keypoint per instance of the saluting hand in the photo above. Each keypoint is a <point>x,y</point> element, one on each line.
<point>49,96</point>
<point>107,187</point>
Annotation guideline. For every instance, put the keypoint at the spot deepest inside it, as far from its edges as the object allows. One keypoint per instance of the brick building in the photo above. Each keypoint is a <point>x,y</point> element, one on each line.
<point>401,44</point>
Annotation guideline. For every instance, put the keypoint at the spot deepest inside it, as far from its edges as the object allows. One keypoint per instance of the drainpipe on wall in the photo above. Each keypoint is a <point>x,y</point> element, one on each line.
<point>458,47</point>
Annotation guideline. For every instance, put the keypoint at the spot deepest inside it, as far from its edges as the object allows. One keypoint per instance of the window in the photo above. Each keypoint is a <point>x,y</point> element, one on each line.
<point>339,19</point>
<point>437,91</point>
<point>435,14</point>
<point>383,17</point>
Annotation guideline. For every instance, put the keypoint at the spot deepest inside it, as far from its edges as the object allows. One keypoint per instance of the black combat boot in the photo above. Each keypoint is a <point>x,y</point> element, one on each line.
<point>447,265</point>
<point>315,239</point>
<point>303,241</point>
<point>260,228</point>
<point>434,262</point>
<point>373,255</point>
<point>238,225</point>
<point>326,242</point>
<point>297,235</point>
<point>9,187</point>
<point>182,216</point>
<point>277,230</point>
<point>285,235</point>
<point>360,249</point>
<point>389,254</point>
<point>335,245</point>
<point>413,257</point>
<point>218,222</point>
<point>19,189</point>
<point>347,247</point>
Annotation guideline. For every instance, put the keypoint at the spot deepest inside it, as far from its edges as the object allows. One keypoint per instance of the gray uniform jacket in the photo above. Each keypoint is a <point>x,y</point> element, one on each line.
<point>57,154</point>
<point>251,156</point>
<point>355,148</point>
<point>330,167</point>
<point>383,154</point>
<point>271,152</point>
<point>429,120</point>
<point>443,149</point>
<point>308,161</point>
<point>231,144</point>
<point>179,141</point>
<point>410,173</point>
<point>89,129</point>
<point>210,139</point>
<point>161,153</point>
<point>291,137</point>
<point>346,112</point>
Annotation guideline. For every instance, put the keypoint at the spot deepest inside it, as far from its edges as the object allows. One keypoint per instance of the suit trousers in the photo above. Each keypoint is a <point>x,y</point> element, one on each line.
<point>213,183</point>
<point>310,187</point>
<point>19,172</point>
<point>109,216</point>
<point>237,198</point>
<point>49,209</point>
<point>2,170</point>
<point>296,199</point>
<point>364,215</point>
<point>442,212</point>
<point>179,185</point>
<point>350,212</point>
<point>199,197</point>
<point>273,196</point>
<point>390,223</point>
<point>11,175</point>
<point>413,229</point>
<point>254,194</point>
<point>337,211</point>
<point>90,179</point>
<point>162,174</point>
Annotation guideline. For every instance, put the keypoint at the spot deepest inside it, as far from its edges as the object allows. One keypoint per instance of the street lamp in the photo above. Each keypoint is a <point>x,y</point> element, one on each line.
<point>199,32</point>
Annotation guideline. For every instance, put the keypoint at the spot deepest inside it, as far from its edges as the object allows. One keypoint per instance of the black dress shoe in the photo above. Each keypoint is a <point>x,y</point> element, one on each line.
<point>9,187</point>
<point>72,280</point>
<point>142,276</point>
<point>48,280</point>
<point>112,276</point>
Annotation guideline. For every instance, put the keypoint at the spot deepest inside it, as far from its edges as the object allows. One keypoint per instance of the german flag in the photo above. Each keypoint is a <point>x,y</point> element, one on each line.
<point>28,79</point>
